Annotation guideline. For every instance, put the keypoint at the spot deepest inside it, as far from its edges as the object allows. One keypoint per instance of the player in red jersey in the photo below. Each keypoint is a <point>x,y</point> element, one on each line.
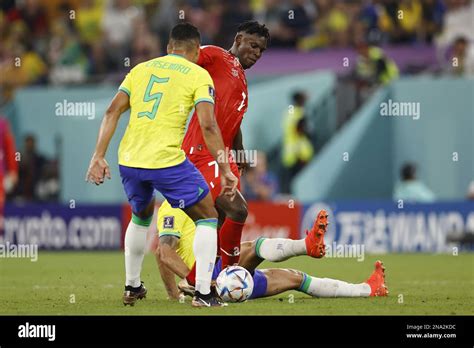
<point>227,69</point>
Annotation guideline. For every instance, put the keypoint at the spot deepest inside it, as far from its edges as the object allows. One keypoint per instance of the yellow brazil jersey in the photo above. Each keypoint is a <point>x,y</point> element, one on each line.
<point>174,222</point>
<point>162,93</point>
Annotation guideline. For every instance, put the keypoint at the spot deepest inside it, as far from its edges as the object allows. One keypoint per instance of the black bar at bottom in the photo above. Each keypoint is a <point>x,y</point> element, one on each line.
<point>236,330</point>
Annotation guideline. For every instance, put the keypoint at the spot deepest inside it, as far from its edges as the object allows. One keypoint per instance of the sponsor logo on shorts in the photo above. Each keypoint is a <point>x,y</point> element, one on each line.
<point>168,222</point>
<point>200,191</point>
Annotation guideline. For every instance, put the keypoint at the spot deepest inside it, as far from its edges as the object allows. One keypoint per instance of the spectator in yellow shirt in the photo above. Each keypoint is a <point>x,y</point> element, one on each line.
<point>409,21</point>
<point>297,147</point>
<point>88,21</point>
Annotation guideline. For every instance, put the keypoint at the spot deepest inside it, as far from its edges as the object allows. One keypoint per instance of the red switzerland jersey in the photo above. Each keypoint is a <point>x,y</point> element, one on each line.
<point>230,102</point>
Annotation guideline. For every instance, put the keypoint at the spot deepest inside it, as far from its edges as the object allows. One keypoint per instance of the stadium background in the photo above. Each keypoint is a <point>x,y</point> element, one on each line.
<point>79,51</point>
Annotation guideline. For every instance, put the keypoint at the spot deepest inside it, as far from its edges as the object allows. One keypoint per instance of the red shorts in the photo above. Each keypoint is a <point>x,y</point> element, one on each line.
<point>210,172</point>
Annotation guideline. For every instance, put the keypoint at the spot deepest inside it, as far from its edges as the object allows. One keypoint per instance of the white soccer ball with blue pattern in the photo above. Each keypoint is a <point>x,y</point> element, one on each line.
<point>234,284</point>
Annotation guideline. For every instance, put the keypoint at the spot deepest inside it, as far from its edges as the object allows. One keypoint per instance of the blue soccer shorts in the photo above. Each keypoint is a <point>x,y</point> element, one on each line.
<point>182,185</point>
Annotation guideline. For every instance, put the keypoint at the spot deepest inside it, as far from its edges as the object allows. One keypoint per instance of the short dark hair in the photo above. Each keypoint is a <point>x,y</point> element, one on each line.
<point>185,32</point>
<point>460,40</point>
<point>254,27</point>
<point>298,97</point>
<point>30,137</point>
<point>408,171</point>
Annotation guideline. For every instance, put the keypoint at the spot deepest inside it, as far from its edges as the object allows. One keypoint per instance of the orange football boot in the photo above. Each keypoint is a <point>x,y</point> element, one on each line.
<point>377,281</point>
<point>314,240</point>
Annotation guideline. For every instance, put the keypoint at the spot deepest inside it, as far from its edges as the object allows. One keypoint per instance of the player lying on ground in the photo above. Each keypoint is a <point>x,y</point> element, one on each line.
<point>160,94</point>
<point>174,256</point>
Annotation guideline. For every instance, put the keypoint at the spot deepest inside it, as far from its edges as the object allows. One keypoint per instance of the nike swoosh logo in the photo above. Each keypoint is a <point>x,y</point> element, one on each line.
<point>206,303</point>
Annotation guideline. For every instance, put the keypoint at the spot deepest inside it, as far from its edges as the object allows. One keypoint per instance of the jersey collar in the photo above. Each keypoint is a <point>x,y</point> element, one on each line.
<point>175,55</point>
<point>236,59</point>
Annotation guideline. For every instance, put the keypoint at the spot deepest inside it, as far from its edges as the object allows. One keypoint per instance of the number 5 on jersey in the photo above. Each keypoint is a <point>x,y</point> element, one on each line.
<point>156,97</point>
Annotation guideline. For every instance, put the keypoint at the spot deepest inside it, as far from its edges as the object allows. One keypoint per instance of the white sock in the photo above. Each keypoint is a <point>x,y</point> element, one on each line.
<point>279,249</point>
<point>135,244</point>
<point>205,251</point>
<point>326,287</point>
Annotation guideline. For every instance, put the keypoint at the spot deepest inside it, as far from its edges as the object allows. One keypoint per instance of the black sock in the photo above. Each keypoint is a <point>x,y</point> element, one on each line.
<point>204,297</point>
<point>131,288</point>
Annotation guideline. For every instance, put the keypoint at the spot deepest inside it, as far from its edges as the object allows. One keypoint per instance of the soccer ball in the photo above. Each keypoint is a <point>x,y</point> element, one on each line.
<point>234,284</point>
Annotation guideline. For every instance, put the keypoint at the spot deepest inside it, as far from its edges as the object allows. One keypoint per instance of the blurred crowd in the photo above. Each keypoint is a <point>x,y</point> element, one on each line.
<point>77,41</point>
<point>61,42</point>
<point>38,175</point>
<point>25,175</point>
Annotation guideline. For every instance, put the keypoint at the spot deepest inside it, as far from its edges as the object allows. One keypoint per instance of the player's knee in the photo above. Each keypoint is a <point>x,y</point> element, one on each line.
<point>247,252</point>
<point>249,248</point>
<point>214,213</point>
<point>211,213</point>
<point>144,214</point>
<point>237,212</point>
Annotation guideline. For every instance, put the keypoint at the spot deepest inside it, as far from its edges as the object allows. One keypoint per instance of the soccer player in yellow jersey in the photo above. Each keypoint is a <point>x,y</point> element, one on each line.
<point>160,94</point>
<point>175,256</point>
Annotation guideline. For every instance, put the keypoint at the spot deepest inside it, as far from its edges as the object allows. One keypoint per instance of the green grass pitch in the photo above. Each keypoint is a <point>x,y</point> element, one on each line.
<point>91,283</point>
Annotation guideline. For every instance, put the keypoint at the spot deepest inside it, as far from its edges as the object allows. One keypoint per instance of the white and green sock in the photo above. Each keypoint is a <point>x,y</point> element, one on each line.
<point>205,251</point>
<point>279,249</point>
<point>135,244</point>
<point>326,287</point>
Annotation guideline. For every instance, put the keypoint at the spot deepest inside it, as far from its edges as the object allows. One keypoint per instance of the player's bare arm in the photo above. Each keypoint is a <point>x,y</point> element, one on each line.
<point>169,257</point>
<point>168,278</point>
<point>170,264</point>
<point>213,138</point>
<point>99,168</point>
